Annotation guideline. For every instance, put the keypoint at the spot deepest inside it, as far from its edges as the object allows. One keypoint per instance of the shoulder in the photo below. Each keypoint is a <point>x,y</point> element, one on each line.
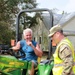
<point>22,42</point>
<point>63,46</point>
<point>65,50</point>
<point>34,42</point>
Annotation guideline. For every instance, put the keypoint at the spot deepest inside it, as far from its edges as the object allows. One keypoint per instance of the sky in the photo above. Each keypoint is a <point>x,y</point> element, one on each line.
<point>62,5</point>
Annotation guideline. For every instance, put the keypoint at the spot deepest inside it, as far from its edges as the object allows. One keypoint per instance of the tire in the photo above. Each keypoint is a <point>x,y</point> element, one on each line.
<point>51,73</point>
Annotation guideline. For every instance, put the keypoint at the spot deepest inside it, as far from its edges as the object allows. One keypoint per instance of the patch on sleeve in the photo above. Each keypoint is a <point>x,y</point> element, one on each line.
<point>62,47</point>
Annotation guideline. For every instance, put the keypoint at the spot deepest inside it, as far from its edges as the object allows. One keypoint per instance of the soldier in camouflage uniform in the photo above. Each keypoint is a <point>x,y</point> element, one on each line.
<point>64,62</point>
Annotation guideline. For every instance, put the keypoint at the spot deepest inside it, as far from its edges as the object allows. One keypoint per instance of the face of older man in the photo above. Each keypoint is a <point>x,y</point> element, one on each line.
<point>28,36</point>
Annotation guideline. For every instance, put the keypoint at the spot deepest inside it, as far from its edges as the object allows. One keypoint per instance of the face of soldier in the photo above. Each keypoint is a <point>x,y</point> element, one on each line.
<point>56,37</point>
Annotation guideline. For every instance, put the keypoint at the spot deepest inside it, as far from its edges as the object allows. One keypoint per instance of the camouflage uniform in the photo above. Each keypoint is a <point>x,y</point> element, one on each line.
<point>66,55</point>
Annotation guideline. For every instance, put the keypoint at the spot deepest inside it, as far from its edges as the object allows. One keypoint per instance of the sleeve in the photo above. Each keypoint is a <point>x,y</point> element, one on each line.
<point>66,55</point>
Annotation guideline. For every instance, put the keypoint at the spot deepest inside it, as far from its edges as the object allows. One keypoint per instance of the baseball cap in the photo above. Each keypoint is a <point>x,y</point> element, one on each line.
<point>54,29</point>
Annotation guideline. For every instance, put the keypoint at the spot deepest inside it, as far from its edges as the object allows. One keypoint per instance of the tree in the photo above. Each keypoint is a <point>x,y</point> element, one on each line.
<point>8,11</point>
<point>29,21</point>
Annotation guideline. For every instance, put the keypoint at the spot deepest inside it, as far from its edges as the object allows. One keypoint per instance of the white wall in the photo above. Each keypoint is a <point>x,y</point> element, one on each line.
<point>70,26</point>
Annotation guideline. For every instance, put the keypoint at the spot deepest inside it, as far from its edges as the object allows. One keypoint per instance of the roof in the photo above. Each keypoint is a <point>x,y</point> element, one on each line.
<point>46,19</point>
<point>66,17</point>
<point>58,18</point>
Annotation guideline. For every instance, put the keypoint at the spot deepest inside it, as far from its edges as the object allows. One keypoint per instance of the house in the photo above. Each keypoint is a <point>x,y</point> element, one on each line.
<point>67,21</point>
<point>68,24</point>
